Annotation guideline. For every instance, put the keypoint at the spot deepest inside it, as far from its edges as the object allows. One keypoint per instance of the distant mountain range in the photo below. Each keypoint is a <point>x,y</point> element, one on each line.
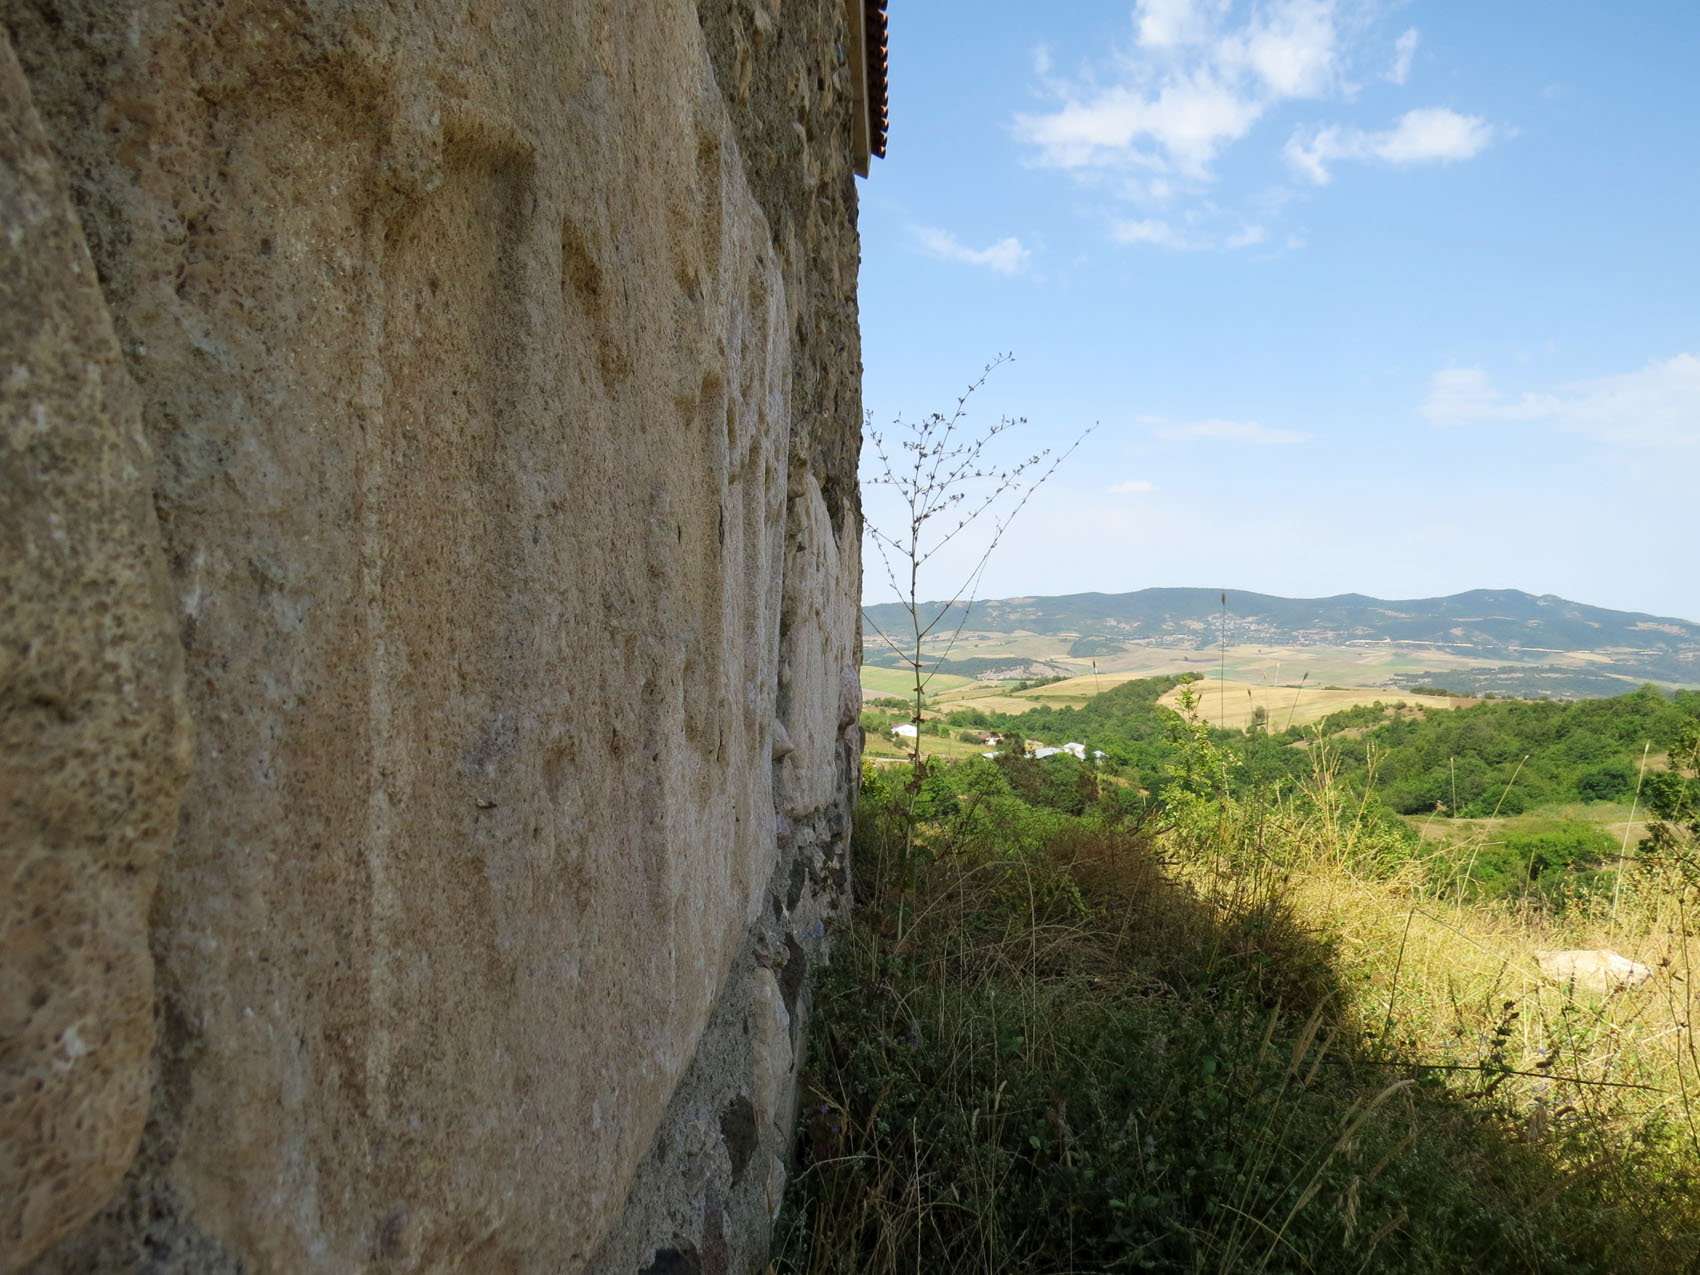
<point>1494,625</point>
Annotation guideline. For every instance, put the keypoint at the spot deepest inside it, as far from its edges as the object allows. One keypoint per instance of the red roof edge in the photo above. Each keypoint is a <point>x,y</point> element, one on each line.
<point>879,105</point>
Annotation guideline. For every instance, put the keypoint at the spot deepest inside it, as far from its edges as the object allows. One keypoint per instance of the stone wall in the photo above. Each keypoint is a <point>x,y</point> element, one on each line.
<point>493,372</point>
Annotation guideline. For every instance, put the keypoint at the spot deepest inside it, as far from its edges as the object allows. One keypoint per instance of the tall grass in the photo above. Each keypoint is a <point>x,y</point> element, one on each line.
<point>1252,1035</point>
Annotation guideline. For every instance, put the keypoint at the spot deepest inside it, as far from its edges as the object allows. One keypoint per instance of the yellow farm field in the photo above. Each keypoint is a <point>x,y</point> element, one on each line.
<point>1232,705</point>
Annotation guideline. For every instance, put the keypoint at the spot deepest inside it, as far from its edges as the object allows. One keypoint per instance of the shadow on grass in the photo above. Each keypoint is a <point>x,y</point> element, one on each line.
<point>1065,1061</point>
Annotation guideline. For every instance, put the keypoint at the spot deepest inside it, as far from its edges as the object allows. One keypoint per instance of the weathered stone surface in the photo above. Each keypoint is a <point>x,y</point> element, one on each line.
<point>699,1202</point>
<point>93,731</point>
<point>472,366</point>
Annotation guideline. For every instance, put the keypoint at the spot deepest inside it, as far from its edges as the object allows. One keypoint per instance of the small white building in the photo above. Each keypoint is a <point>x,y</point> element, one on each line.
<point>1075,750</point>
<point>1046,752</point>
<point>905,730</point>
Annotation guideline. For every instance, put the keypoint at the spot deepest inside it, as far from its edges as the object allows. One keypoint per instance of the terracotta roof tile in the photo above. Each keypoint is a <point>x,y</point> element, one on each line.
<point>879,107</point>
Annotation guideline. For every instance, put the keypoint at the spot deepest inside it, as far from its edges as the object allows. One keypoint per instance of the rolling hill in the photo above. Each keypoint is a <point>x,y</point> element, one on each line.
<point>1500,640</point>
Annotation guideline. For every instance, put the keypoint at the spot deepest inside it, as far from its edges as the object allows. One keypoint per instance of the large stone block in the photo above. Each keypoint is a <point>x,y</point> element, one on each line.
<point>93,732</point>
<point>470,366</point>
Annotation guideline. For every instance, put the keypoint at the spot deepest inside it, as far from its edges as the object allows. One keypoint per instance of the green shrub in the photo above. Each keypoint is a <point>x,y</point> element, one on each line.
<point>1611,782</point>
<point>1547,866</point>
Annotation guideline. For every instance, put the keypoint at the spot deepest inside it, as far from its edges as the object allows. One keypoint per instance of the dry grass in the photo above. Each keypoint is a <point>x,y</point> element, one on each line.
<point>1457,985</point>
<point>1232,705</point>
<point>1238,1043</point>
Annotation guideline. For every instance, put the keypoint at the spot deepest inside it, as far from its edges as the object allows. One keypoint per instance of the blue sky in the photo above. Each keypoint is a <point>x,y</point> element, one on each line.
<point>1399,299</point>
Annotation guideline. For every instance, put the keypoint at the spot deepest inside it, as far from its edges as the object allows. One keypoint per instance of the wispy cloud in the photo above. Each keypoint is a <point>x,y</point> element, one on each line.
<point>1006,256</point>
<point>1165,234</point>
<point>1426,136</point>
<point>1131,487</point>
<point>1154,230</point>
<point>1656,406</point>
<point>1155,121</point>
<point>1231,432</point>
<point>1197,83</point>
<point>1404,51</point>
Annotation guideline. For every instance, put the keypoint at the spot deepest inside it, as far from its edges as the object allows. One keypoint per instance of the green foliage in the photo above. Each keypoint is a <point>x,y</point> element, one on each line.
<point>1550,866</point>
<point>1674,837</point>
<point>1049,783</point>
<point>1125,722</point>
<point>1501,757</point>
<point>1611,781</point>
<point>1507,756</point>
<point>1358,715</point>
<point>1033,683</point>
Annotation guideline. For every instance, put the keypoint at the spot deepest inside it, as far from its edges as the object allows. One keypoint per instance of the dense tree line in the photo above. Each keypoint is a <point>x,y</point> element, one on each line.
<point>1513,755</point>
<point>1507,756</point>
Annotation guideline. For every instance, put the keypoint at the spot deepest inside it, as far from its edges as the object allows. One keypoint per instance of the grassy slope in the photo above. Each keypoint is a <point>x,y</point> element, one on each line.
<point>1075,1045</point>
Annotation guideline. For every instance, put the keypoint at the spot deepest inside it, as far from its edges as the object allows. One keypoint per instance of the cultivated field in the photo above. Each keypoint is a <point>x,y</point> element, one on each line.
<point>878,683</point>
<point>1230,703</point>
<point>1365,664</point>
<point>1233,704</point>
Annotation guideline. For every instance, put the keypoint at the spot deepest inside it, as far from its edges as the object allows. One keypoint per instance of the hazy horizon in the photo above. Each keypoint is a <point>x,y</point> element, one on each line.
<point>1230,591</point>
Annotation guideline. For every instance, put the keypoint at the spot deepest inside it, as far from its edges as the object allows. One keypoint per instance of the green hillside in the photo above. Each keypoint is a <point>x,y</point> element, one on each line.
<point>1499,640</point>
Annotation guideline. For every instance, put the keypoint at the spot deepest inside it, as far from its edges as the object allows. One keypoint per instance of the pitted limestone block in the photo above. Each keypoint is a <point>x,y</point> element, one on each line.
<point>93,732</point>
<point>820,620</point>
<point>486,358</point>
<point>467,359</point>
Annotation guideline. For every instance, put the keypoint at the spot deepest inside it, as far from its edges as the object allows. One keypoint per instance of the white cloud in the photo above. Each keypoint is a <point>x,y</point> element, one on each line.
<point>1430,135</point>
<point>1657,406</point>
<point>1152,122</point>
<point>1164,24</point>
<point>1292,48</point>
<point>1006,256</point>
<point>1404,50</point>
<point>1132,487</point>
<point>1163,234</point>
<point>1189,120</point>
<point>1200,82</point>
<point>1231,432</point>
<point>1154,230</point>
